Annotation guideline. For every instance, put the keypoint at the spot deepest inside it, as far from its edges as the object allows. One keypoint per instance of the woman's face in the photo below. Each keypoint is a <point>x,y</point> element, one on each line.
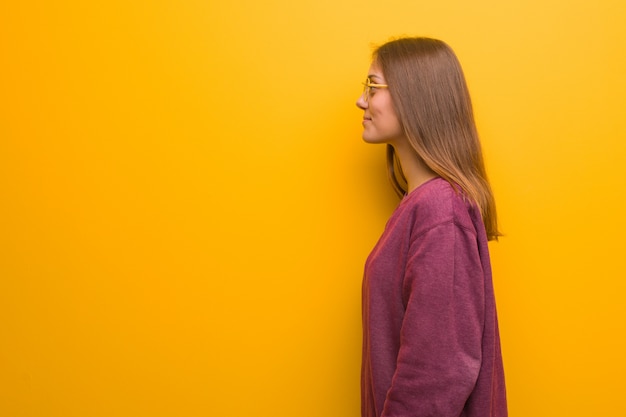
<point>380,121</point>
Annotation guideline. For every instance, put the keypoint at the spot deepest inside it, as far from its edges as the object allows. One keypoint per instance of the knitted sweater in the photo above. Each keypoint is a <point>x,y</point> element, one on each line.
<point>431,345</point>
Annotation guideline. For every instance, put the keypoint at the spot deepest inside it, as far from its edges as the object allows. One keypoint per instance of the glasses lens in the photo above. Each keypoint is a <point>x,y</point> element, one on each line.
<point>366,89</point>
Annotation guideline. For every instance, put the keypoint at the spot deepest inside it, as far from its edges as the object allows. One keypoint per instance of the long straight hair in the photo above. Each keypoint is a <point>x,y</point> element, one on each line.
<point>431,97</point>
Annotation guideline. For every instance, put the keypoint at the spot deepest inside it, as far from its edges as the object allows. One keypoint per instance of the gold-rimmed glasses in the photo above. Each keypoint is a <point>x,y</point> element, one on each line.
<point>368,85</point>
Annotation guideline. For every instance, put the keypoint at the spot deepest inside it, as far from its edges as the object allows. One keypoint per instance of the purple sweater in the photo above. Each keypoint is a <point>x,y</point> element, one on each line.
<point>430,333</point>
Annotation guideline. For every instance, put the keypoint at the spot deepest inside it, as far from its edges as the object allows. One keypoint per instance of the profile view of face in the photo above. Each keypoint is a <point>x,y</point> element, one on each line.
<point>380,121</point>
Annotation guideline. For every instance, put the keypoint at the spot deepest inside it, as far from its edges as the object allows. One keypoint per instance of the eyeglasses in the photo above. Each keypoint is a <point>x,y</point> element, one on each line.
<point>368,86</point>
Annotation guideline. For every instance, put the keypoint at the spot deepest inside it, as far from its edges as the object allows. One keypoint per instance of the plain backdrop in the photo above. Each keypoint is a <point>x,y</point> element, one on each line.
<point>186,203</point>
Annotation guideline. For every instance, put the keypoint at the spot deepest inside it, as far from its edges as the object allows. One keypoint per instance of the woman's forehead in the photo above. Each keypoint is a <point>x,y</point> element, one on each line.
<point>375,72</point>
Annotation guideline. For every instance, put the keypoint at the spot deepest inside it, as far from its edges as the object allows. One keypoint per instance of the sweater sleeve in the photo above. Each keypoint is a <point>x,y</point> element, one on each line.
<point>440,347</point>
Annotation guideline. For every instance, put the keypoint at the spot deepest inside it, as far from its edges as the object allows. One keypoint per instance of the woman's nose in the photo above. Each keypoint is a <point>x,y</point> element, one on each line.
<point>361,103</point>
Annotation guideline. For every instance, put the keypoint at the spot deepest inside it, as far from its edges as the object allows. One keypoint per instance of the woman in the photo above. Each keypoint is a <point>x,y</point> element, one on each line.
<point>430,334</point>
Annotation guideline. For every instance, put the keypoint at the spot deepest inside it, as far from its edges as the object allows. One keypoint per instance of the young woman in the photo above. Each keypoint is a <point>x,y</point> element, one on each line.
<point>430,333</point>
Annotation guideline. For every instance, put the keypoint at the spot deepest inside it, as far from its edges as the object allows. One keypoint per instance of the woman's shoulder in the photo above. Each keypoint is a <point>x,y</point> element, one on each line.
<point>437,202</point>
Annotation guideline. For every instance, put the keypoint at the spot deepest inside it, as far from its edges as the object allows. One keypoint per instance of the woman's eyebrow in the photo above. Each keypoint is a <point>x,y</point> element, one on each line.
<point>374,76</point>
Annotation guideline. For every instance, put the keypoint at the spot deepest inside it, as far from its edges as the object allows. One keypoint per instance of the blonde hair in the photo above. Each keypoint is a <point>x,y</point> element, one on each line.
<point>430,95</point>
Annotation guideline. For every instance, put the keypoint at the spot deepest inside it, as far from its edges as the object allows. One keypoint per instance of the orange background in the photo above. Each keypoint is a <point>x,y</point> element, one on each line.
<point>186,203</point>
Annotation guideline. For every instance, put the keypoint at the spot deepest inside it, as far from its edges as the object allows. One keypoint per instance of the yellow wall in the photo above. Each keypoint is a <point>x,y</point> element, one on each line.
<point>186,203</point>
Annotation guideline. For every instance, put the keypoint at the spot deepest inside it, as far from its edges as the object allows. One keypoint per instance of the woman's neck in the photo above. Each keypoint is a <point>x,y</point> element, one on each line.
<point>415,170</point>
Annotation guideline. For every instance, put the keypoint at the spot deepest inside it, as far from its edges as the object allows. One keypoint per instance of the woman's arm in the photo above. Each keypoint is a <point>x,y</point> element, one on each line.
<point>440,351</point>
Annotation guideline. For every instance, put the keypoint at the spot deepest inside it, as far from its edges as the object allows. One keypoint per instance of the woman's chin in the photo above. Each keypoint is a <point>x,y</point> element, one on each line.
<point>369,139</point>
